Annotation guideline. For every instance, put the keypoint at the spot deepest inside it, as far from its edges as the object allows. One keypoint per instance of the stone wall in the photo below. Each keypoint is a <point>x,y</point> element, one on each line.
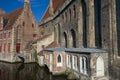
<point>44,42</point>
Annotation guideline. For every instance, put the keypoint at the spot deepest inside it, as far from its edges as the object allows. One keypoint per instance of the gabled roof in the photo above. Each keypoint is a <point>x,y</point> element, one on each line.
<point>56,5</point>
<point>9,19</point>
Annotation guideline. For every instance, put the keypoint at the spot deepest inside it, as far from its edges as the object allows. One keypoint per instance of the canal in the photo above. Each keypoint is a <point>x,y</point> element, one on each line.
<point>31,71</point>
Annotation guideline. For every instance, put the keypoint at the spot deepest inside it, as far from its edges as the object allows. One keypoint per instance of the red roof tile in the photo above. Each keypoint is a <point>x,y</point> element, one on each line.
<point>11,18</point>
<point>56,5</point>
<point>46,15</point>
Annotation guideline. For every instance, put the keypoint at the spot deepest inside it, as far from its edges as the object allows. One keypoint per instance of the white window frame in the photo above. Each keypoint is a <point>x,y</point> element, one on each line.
<point>68,61</point>
<point>59,64</point>
<point>75,61</point>
<point>83,61</point>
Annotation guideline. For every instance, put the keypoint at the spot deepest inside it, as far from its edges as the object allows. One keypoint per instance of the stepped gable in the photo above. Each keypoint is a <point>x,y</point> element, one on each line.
<point>56,5</point>
<point>9,19</point>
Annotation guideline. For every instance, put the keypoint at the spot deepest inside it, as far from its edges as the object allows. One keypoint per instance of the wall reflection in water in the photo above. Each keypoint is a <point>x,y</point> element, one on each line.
<point>19,71</point>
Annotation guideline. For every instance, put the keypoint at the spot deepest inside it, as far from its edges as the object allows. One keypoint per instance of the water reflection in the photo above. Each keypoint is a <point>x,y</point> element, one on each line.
<point>20,71</point>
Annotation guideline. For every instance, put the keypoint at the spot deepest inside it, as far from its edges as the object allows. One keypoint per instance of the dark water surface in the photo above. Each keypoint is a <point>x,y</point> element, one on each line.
<point>20,71</point>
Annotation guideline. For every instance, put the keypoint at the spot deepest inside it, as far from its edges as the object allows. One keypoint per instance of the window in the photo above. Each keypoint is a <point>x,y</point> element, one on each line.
<point>100,66</point>
<point>32,25</point>
<point>66,16</point>
<point>59,60</point>
<point>18,46</point>
<point>70,14</point>
<point>74,61</point>
<point>4,35</point>
<point>84,17</point>
<point>73,38</point>
<point>68,61</point>
<point>65,39</point>
<point>74,9</point>
<point>23,24</point>
<point>9,35</point>
<point>9,46</point>
<point>35,36</point>
<point>97,11</point>
<point>118,24</point>
<point>83,65</point>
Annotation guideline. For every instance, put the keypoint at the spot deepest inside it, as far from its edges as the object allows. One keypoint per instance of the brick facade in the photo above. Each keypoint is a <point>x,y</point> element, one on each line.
<point>19,29</point>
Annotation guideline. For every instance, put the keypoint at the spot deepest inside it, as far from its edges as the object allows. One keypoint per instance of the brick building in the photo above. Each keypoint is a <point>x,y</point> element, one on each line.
<point>85,24</point>
<point>17,29</point>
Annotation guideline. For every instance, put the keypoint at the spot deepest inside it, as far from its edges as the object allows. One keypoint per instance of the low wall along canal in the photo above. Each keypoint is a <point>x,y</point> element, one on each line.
<point>30,71</point>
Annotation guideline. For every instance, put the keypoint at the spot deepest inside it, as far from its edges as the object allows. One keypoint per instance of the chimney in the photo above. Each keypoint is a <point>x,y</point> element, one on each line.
<point>2,13</point>
<point>51,9</point>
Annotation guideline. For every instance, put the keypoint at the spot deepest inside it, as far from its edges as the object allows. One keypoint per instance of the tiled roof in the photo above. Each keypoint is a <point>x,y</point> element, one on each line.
<point>77,50</point>
<point>46,15</point>
<point>56,5</point>
<point>10,18</point>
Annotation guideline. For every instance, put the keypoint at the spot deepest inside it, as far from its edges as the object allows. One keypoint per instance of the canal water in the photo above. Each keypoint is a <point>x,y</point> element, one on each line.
<point>31,71</point>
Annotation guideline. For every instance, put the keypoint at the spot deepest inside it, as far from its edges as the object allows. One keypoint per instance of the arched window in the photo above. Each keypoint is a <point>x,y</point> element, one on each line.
<point>84,17</point>
<point>70,14</point>
<point>100,67</point>
<point>83,65</point>
<point>75,62</point>
<point>66,16</point>
<point>59,59</point>
<point>65,39</point>
<point>73,38</point>
<point>69,61</point>
<point>97,11</point>
<point>118,24</point>
<point>74,9</point>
